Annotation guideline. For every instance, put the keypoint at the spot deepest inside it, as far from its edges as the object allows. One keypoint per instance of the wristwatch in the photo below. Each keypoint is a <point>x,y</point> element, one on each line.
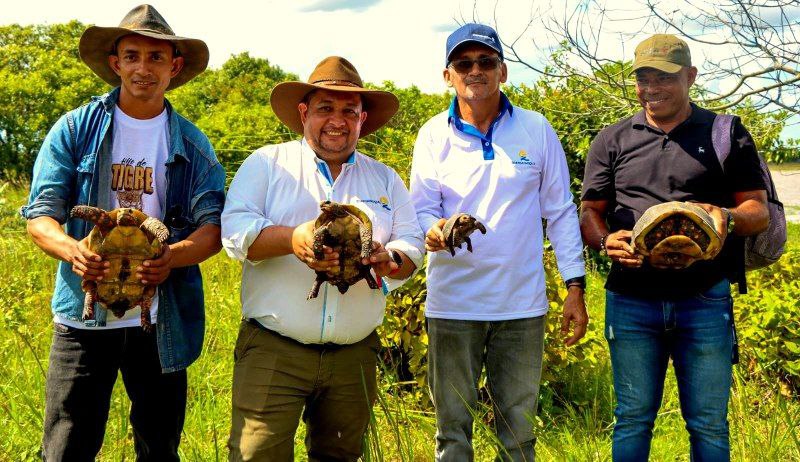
<point>396,257</point>
<point>579,281</point>
<point>731,222</point>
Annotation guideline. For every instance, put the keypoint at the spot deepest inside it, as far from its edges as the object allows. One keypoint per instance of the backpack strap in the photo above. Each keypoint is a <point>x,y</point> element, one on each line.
<point>721,135</point>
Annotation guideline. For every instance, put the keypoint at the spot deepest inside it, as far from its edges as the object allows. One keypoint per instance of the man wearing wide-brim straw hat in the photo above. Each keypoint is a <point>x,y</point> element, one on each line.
<point>127,148</point>
<point>314,357</point>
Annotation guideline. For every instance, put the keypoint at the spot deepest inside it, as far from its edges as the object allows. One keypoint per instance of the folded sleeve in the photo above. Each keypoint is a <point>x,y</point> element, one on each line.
<point>244,214</point>
<point>54,175</point>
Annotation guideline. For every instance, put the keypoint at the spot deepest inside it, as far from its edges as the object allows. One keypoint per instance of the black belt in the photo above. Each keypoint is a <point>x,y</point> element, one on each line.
<point>329,346</point>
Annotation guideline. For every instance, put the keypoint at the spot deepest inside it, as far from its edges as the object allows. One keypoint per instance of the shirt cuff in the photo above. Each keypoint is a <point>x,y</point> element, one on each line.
<point>572,272</point>
<point>413,253</point>
<point>237,244</point>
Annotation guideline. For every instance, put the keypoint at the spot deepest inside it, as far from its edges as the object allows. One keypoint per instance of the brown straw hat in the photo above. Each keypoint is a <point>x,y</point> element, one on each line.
<point>97,43</point>
<point>334,74</point>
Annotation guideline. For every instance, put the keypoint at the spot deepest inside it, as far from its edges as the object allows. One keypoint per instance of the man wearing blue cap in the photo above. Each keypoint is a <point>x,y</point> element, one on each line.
<point>503,165</point>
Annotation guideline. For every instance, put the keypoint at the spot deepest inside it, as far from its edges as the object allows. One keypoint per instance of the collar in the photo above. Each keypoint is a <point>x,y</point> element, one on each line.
<point>453,116</point>
<point>110,99</point>
<point>698,116</point>
<point>306,147</point>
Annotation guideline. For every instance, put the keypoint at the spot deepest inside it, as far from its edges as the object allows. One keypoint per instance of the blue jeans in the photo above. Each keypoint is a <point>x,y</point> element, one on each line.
<point>512,353</point>
<point>697,333</point>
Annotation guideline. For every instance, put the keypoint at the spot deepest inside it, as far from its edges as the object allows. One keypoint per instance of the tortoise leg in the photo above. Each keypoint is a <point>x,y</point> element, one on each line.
<point>98,216</point>
<point>147,326</point>
<point>366,241</point>
<point>88,303</point>
<point>317,283</point>
<point>469,243</point>
<point>320,235</point>
<point>154,228</point>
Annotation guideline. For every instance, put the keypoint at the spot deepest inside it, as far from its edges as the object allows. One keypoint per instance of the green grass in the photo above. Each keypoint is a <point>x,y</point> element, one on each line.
<point>574,423</point>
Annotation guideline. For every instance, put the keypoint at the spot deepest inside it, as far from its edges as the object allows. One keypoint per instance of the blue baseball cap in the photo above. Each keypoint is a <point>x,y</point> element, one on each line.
<point>473,33</point>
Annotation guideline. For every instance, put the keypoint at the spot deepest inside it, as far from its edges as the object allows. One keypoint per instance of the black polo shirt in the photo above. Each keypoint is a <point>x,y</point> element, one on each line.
<point>634,166</point>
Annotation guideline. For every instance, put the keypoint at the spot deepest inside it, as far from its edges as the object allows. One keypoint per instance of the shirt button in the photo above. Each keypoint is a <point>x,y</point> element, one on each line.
<point>486,143</point>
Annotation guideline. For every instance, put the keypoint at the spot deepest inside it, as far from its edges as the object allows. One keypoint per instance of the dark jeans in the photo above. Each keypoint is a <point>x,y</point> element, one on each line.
<point>697,333</point>
<point>83,368</point>
<point>512,352</point>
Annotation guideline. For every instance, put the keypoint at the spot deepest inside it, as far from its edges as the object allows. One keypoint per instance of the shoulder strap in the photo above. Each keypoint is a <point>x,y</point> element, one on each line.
<point>721,133</point>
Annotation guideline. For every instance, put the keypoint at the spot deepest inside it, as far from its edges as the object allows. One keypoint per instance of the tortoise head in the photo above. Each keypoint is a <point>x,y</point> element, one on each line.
<point>333,209</point>
<point>468,222</point>
<point>127,217</point>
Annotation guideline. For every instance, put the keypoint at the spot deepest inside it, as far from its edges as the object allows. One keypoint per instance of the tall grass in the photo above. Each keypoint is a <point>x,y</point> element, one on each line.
<point>574,423</point>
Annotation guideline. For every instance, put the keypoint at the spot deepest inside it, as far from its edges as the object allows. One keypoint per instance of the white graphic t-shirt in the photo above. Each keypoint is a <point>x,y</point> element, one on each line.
<point>138,180</point>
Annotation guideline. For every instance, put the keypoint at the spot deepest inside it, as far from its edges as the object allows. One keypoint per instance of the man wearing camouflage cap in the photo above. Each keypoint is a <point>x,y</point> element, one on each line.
<point>665,153</point>
<point>127,148</point>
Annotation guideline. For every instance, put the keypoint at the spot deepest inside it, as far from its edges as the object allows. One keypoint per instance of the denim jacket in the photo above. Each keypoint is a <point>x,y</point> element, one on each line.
<point>67,173</point>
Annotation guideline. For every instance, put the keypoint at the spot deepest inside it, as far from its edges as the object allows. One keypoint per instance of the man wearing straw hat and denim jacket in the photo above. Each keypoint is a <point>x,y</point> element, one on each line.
<point>315,357</point>
<point>665,153</point>
<point>127,148</point>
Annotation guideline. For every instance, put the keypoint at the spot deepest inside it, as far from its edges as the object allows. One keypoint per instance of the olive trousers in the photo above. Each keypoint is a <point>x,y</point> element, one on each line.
<point>277,381</point>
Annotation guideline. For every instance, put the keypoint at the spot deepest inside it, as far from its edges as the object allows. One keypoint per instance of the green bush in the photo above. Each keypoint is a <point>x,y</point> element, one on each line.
<point>768,321</point>
<point>405,342</point>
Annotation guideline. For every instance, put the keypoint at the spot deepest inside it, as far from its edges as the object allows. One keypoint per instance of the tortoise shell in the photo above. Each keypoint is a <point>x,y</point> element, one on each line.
<point>675,235</point>
<point>125,237</point>
<point>348,231</point>
<point>457,230</point>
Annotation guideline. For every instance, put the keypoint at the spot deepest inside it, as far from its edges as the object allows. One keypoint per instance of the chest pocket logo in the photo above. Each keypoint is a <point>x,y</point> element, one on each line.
<point>523,159</point>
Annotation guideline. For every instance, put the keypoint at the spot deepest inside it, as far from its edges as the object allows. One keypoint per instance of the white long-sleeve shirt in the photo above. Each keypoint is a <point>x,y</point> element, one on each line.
<point>509,179</point>
<point>283,185</point>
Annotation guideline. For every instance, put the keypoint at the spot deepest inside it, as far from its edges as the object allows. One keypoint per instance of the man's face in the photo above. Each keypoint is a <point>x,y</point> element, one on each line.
<point>145,66</point>
<point>332,123</point>
<point>663,95</point>
<point>475,84</point>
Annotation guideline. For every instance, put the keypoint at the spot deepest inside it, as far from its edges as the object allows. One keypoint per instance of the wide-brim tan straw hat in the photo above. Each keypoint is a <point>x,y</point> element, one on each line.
<point>97,43</point>
<point>334,74</point>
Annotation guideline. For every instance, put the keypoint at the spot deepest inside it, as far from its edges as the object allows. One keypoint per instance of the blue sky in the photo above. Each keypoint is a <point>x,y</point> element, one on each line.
<point>398,40</point>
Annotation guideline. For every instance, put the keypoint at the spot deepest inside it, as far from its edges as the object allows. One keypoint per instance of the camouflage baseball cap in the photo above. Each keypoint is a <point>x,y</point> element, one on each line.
<point>664,52</point>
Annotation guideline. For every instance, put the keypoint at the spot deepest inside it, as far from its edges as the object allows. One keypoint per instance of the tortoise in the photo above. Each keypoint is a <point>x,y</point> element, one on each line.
<point>457,230</point>
<point>348,231</point>
<point>125,237</point>
<point>676,234</point>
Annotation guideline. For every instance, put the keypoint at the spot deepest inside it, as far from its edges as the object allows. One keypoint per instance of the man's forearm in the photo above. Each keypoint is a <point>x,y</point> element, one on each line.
<point>750,217</point>
<point>203,243</point>
<point>593,227</point>
<point>49,236</point>
<point>272,241</point>
<point>405,270</point>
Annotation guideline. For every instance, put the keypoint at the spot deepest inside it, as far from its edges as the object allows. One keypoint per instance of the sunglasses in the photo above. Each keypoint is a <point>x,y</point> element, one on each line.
<point>485,63</point>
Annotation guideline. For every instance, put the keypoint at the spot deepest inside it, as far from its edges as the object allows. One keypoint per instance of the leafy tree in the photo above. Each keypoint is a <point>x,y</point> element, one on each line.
<point>41,78</point>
